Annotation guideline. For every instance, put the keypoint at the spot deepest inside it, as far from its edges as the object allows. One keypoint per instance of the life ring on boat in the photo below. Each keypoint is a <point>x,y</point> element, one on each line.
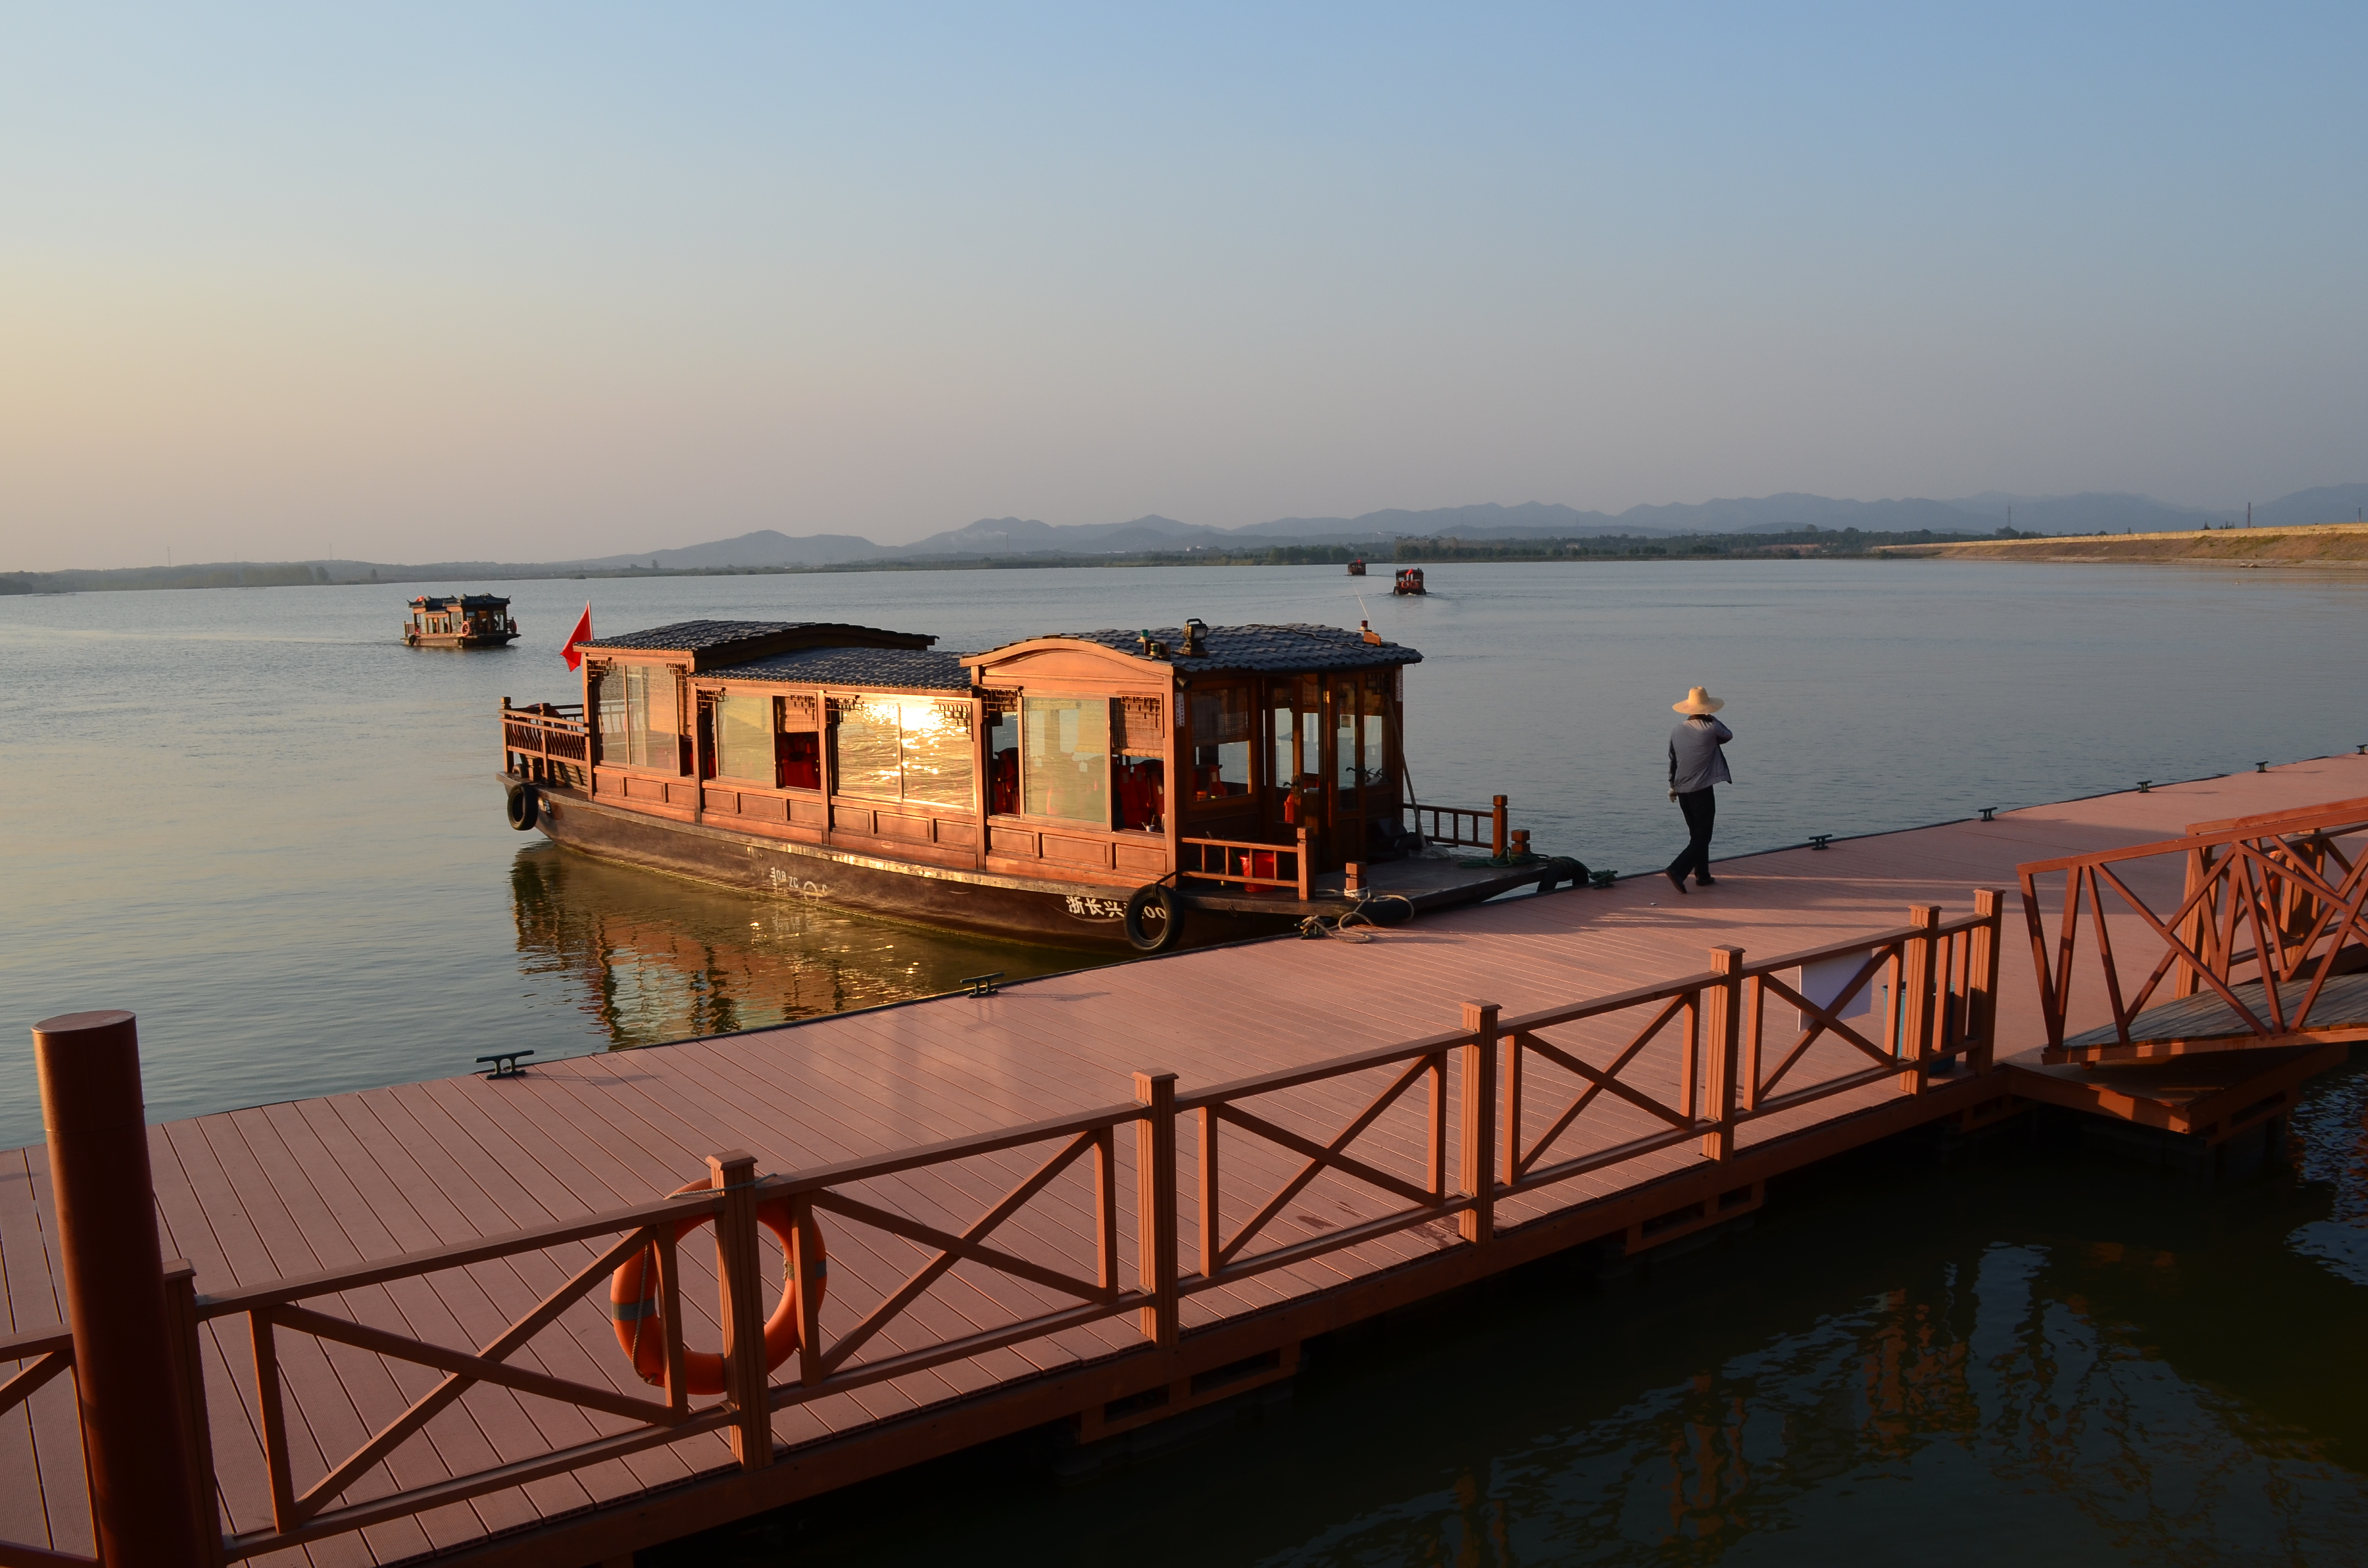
<point>1171,922</point>
<point>641,1320</point>
<point>525,807</point>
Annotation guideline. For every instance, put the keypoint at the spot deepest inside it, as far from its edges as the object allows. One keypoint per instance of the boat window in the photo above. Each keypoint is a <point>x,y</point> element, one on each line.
<point>1376,702</point>
<point>866,739</point>
<point>938,754</point>
<point>797,754</point>
<point>1345,775</point>
<point>637,718</point>
<point>1297,734</point>
<point>744,734</point>
<point>1142,793</point>
<point>1003,752</point>
<point>904,748</point>
<point>799,763</point>
<point>1064,759</point>
<point>1219,735</point>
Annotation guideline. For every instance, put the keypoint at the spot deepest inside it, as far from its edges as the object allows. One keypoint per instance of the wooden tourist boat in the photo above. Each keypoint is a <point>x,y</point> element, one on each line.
<point>1409,581</point>
<point>1024,792</point>
<point>1357,568</point>
<point>459,620</point>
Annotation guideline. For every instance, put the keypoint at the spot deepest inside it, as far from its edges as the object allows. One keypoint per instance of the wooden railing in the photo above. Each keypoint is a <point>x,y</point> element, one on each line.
<point>1455,827</point>
<point>1539,1098</point>
<point>537,738</point>
<point>1250,864</point>
<point>2269,909</point>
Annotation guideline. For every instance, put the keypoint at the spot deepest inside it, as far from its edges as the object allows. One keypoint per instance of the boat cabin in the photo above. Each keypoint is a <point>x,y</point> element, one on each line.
<point>459,620</point>
<point>1112,757</point>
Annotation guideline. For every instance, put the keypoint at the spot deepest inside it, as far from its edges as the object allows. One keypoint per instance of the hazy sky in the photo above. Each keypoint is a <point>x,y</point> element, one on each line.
<point>425,282</point>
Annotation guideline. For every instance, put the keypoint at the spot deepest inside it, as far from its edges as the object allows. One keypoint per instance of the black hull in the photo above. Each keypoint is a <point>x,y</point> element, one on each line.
<point>984,903</point>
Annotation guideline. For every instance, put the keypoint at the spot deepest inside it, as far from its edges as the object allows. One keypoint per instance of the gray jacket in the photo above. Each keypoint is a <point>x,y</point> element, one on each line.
<point>1696,759</point>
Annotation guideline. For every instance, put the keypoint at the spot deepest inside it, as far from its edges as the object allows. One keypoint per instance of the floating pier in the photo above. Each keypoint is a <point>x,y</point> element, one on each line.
<point>555,1315</point>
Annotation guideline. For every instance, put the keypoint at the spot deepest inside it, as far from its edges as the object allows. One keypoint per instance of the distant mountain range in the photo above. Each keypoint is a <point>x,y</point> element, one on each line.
<point>1007,539</point>
<point>1006,536</point>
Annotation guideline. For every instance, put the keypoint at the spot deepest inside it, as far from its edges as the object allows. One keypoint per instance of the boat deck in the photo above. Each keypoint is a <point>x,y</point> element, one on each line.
<point>254,1196</point>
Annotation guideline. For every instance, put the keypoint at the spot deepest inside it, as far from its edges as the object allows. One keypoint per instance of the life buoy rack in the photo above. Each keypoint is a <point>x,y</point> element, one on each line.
<point>641,1320</point>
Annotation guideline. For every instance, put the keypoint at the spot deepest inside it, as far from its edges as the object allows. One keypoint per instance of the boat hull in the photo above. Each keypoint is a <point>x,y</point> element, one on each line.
<point>459,639</point>
<point>1013,908</point>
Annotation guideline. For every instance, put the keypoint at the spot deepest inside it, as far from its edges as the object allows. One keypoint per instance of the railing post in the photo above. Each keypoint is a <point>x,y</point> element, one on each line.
<point>1475,1170</point>
<point>744,1377</point>
<point>1305,876</point>
<point>1917,982</point>
<point>1155,1180</point>
<point>1508,1153</point>
<point>2196,930</point>
<point>1725,1001</point>
<point>805,1278</point>
<point>142,1498</point>
<point>190,1388</point>
<point>1496,822</point>
<point>1981,979</point>
<point>1211,1196</point>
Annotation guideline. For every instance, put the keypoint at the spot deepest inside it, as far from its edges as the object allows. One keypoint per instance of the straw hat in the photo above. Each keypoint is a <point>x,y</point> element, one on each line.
<point>1698,700</point>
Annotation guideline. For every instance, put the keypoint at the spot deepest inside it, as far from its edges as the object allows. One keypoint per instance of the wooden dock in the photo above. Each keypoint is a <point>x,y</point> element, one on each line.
<point>395,1300</point>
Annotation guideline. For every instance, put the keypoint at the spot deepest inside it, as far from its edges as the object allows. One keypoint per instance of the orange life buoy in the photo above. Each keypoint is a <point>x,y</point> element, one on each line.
<point>641,1328</point>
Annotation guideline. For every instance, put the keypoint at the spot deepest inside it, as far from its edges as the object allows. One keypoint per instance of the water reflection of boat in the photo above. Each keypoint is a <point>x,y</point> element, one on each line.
<point>652,957</point>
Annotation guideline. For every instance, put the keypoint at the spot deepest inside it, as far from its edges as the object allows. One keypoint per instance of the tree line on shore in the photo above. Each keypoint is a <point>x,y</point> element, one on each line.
<point>1797,542</point>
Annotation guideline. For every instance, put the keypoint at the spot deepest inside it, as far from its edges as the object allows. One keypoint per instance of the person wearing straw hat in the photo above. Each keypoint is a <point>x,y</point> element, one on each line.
<point>1697,761</point>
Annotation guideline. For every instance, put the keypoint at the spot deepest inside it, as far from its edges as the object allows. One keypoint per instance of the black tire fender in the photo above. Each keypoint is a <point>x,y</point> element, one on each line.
<point>524,806</point>
<point>1140,934</point>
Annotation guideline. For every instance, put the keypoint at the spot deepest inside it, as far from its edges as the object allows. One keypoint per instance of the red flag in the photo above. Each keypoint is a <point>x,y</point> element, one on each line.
<point>583,633</point>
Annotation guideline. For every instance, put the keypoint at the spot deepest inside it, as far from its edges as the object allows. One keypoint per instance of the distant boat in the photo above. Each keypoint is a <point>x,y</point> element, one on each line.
<point>1409,581</point>
<point>459,620</point>
<point>1357,567</point>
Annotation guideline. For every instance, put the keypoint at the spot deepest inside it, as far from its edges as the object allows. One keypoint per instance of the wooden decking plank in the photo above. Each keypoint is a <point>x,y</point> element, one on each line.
<point>472,1439</point>
<point>44,1433</point>
<point>341,1394</point>
<point>485,1311</point>
<point>519,1207</point>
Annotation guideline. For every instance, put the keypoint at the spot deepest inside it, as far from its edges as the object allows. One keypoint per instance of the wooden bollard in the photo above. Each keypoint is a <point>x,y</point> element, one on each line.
<point>142,1500</point>
<point>1497,826</point>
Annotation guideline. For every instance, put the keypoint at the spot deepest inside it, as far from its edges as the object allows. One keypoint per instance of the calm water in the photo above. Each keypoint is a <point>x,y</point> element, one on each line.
<point>261,823</point>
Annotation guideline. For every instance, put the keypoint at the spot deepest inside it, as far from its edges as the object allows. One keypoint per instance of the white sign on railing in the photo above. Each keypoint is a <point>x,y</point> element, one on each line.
<point>1822,981</point>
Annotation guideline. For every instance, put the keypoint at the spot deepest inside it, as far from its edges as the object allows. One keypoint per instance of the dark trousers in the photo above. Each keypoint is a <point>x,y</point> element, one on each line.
<point>1702,810</point>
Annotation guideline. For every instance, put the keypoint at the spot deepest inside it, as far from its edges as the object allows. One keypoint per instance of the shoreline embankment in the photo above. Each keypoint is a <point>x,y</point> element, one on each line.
<point>2338,545</point>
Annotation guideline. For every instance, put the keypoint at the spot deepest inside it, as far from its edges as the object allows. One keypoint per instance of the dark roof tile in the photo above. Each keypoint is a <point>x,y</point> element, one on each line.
<point>864,669</point>
<point>1263,649</point>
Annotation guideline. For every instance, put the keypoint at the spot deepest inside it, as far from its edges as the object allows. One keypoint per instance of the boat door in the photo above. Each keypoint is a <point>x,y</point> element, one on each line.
<point>1359,782</point>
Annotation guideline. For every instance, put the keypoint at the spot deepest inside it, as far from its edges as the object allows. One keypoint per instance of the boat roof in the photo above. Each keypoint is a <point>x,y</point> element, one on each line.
<point>1266,649</point>
<point>870,669</point>
<point>467,601</point>
<point>713,644</point>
